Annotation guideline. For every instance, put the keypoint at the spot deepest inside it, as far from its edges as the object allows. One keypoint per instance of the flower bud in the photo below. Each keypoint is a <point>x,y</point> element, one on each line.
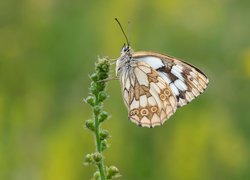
<point>93,88</point>
<point>104,144</point>
<point>102,96</point>
<point>97,157</point>
<point>97,109</point>
<point>97,175</point>
<point>90,100</point>
<point>103,116</point>
<point>112,172</point>
<point>90,124</point>
<point>89,159</point>
<point>94,77</point>
<point>104,134</point>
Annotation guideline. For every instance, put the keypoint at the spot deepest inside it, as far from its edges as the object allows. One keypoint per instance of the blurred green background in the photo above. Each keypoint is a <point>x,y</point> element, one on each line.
<point>48,49</point>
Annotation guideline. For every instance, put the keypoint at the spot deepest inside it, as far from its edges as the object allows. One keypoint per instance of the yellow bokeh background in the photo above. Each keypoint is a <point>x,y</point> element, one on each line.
<point>47,50</point>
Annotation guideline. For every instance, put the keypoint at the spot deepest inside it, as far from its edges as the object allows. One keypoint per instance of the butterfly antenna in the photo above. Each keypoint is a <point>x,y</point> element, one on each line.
<point>122,30</point>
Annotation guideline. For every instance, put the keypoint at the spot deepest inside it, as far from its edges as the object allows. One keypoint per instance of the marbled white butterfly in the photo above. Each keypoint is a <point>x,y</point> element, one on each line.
<point>155,85</point>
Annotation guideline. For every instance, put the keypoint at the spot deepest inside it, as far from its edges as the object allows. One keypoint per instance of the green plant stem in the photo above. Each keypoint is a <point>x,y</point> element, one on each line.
<point>100,165</point>
<point>95,100</point>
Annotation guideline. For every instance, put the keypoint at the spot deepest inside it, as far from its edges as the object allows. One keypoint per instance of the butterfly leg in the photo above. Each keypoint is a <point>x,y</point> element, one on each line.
<point>113,63</point>
<point>109,79</point>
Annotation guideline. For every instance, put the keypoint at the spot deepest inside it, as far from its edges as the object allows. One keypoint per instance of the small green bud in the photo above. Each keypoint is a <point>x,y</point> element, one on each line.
<point>103,116</point>
<point>97,175</point>
<point>113,169</point>
<point>112,172</point>
<point>93,88</point>
<point>103,75</point>
<point>104,134</point>
<point>89,159</point>
<point>97,157</point>
<point>102,96</point>
<point>103,67</point>
<point>90,124</point>
<point>104,144</point>
<point>94,77</point>
<point>97,109</point>
<point>90,100</point>
<point>100,86</point>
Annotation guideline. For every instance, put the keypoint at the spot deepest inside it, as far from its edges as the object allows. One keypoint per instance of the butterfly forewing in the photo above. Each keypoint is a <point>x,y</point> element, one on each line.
<point>147,95</point>
<point>185,81</point>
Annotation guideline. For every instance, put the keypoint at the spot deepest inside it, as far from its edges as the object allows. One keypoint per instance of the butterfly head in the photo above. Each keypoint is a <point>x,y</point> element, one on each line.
<point>126,49</point>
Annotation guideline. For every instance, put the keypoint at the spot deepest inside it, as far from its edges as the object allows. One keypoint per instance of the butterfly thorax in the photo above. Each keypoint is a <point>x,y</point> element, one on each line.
<point>123,62</point>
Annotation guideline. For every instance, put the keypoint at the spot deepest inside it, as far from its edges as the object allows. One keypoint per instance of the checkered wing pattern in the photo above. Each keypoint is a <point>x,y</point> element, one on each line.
<point>185,81</point>
<point>150,100</point>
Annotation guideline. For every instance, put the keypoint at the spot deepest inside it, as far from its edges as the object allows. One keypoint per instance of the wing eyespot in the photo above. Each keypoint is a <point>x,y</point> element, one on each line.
<point>144,112</point>
<point>163,97</point>
<point>154,109</point>
<point>134,112</point>
<point>167,92</point>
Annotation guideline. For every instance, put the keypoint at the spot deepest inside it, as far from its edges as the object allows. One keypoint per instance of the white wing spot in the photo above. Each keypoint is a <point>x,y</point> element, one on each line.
<point>177,68</point>
<point>180,85</point>
<point>165,77</point>
<point>127,85</point>
<point>177,73</point>
<point>134,104</point>
<point>154,62</point>
<point>151,101</point>
<point>141,77</point>
<point>143,101</point>
<point>174,89</point>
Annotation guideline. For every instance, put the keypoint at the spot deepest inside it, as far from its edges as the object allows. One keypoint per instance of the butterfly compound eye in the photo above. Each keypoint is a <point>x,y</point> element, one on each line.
<point>125,49</point>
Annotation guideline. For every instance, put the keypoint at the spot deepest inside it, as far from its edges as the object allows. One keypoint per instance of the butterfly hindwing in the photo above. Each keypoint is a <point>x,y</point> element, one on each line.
<point>147,95</point>
<point>185,81</point>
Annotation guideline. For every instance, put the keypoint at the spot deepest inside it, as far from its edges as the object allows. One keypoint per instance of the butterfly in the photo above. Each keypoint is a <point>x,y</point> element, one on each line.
<point>154,85</point>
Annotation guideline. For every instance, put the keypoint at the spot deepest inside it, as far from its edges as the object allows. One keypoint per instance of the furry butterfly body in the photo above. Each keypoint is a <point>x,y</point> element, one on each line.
<point>155,85</point>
